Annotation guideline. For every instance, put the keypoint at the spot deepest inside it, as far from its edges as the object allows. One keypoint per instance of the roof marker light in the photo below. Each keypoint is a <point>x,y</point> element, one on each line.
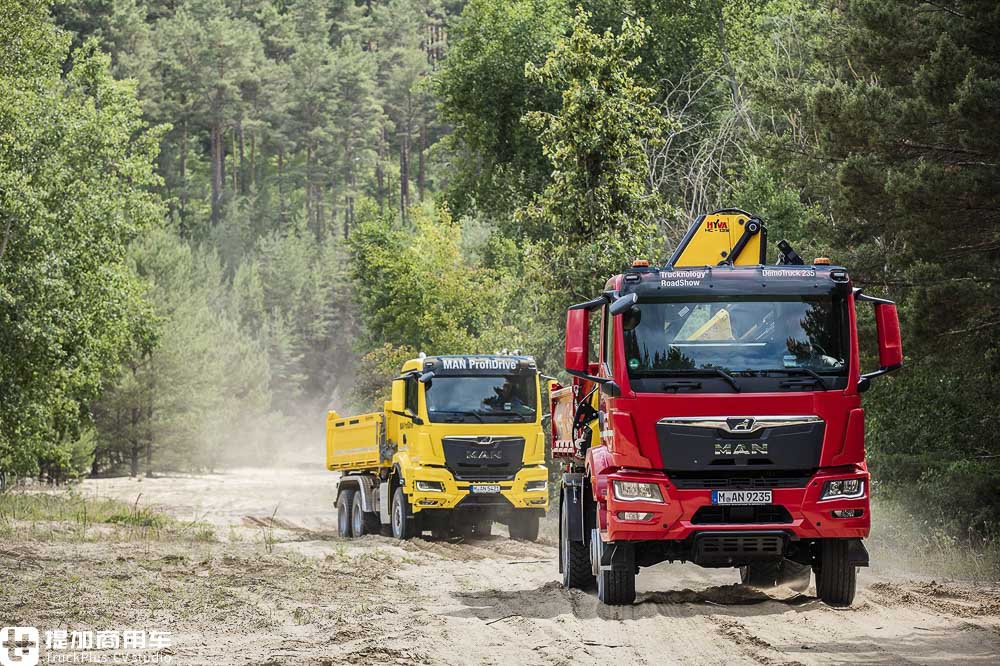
<point>821,261</point>
<point>640,263</point>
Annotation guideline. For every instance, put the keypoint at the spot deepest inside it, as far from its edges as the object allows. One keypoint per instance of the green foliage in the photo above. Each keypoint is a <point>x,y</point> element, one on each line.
<point>76,165</point>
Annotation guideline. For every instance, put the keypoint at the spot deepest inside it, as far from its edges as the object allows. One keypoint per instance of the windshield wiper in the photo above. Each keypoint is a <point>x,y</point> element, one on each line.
<point>802,371</point>
<point>702,372</point>
<point>519,417</point>
<point>459,413</point>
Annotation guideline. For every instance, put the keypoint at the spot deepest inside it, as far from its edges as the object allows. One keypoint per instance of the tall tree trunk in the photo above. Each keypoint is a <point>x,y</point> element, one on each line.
<point>218,175</point>
<point>242,152</point>
<point>404,174</point>
<point>421,174</point>
<point>380,173</point>
<point>281,185</point>
<point>184,182</point>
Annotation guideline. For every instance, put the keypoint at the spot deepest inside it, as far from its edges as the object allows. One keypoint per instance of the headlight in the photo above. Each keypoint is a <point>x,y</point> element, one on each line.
<point>845,489</point>
<point>430,486</point>
<point>536,486</point>
<point>632,491</point>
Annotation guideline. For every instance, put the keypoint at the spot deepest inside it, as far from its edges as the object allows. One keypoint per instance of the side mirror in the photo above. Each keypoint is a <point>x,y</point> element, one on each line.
<point>577,341</point>
<point>426,378</point>
<point>398,401</point>
<point>890,342</point>
<point>622,304</point>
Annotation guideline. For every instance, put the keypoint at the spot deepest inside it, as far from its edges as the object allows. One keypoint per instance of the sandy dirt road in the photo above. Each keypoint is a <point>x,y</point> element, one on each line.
<point>497,601</point>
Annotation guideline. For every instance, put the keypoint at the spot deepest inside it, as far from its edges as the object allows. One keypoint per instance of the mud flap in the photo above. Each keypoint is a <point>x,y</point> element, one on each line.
<point>572,497</point>
<point>857,554</point>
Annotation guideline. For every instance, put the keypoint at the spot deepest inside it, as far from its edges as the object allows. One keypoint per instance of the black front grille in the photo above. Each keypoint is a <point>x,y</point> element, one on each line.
<point>741,515</point>
<point>719,547</point>
<point>740,482</point>
<point>483,458</point>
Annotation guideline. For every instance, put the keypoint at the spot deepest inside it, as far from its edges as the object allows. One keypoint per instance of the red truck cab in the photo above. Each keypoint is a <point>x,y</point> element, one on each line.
<point>718,421</point>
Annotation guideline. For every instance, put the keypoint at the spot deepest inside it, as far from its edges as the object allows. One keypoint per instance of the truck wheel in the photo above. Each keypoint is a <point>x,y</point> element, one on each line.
<point>484,528</point>
<point>404,523</point>
<point>523,527</point>
<point>344,503</point>
<point>574,557</point>
<point>836,579</point>
<point>362,522</point>
<point>764,575</point>
<point>616,587</point>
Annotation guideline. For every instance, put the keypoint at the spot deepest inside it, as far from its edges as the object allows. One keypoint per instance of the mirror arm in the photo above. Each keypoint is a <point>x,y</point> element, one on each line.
<point>589,377</point>
<point>880,372</point>
<point>591,304</point>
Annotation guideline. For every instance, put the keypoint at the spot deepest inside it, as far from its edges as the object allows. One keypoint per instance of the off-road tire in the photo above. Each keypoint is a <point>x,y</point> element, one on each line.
<point>575,557</point>
<point>836,578</point>
<point>345,502</point>
<point>362,522</point>
<point>404,523</point>
<point>763,575</point>
<point>523,527</point>
<point>616,587</point>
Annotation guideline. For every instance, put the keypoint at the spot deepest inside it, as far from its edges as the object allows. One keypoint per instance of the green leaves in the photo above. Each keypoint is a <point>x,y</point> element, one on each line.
<point>76,168</point>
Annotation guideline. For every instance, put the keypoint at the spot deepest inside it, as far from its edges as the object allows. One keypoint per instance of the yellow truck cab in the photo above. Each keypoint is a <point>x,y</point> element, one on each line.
<point>458,447</point>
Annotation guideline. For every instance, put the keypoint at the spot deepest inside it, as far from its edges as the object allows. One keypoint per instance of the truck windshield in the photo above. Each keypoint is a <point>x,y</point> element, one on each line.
<point>482,399</point>
<point>747,335</point>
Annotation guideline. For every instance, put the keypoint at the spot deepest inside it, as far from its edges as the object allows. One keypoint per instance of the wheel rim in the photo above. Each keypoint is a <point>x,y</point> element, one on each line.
<point>397,519</point>
<point>357,520</point>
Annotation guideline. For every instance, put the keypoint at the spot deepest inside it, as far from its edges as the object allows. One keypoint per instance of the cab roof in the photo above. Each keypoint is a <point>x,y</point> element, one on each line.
<point>727,280</point>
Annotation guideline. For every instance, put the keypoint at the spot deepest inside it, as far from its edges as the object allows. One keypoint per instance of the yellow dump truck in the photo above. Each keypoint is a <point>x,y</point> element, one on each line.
<point>458,447</point>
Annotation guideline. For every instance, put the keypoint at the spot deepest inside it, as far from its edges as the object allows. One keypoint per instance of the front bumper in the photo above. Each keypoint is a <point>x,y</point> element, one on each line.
<point>454,491</point>
<point>675,519</point>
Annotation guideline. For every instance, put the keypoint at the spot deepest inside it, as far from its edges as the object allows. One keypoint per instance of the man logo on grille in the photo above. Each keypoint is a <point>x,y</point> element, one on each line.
<point>741,425</point>
<point>18,646</point>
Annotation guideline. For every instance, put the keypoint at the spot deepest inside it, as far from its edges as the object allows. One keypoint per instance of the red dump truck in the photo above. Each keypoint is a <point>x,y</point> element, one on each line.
<point>718,420</point>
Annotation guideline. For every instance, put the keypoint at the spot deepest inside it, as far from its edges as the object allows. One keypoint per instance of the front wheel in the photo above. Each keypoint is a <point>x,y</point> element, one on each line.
<point>345,502</point>
<point>573,556</point>
<point>404,523</point>
<point>524,527</point>
<point>836,577</point>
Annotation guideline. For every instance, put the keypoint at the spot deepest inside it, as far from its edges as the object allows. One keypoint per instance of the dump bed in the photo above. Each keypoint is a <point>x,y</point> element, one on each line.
<point>354,443</point>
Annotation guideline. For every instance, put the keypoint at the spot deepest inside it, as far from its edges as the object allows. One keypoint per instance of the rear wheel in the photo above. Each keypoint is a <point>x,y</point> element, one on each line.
<point>573,555</point>
<point>836,578</point>
<point>404,523</point>
<point>363,522</point>
<point>345,502</point>
<point>524,527</point>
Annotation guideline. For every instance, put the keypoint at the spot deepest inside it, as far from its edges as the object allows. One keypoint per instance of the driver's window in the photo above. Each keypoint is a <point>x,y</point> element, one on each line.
<point>411,394</point>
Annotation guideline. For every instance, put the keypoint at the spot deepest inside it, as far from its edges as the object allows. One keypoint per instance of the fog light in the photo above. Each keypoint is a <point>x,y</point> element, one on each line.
<point>536,486</point>
<point>430,486</point>
<point>844,489</point>
<point>848,513</point>
<point>634,515</point>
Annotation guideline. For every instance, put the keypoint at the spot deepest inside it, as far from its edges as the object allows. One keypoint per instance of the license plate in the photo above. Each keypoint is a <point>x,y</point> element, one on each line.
<point>741,497</point>
<point>490,489</point>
